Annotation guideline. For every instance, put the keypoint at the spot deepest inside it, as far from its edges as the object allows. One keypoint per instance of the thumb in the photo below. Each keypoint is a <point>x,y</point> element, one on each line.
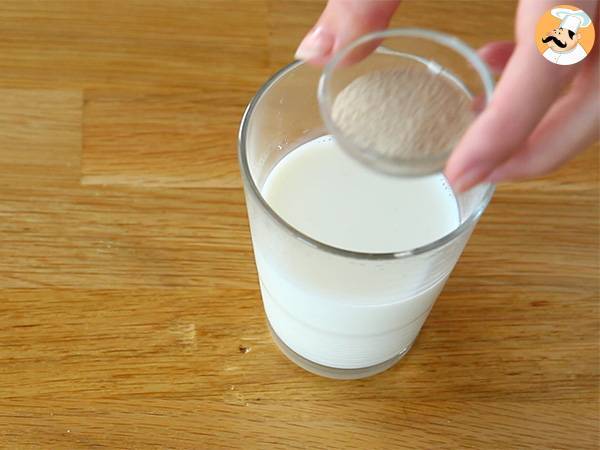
<point>342,22</point>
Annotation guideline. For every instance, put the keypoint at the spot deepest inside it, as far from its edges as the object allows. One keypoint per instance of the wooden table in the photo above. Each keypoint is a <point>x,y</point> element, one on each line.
<point>130,315</point>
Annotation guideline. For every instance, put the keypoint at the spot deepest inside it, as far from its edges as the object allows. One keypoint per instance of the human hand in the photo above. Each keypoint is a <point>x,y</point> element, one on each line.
<point>530,127</point>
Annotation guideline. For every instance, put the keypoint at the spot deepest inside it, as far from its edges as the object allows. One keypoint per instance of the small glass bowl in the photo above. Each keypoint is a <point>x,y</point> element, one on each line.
<point>442,55</point>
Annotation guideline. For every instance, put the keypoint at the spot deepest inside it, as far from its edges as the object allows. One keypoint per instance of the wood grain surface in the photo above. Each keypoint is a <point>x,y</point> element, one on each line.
<point>130,315</point>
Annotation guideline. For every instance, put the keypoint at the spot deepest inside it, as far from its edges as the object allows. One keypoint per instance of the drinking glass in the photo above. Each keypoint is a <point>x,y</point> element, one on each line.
<point>339,313</point>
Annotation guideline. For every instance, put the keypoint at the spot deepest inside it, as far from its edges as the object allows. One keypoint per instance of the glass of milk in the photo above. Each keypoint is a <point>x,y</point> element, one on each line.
<point>350,260</point>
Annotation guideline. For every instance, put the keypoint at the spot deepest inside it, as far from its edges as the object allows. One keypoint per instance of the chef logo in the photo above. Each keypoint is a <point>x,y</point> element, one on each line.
<point>565,35</point>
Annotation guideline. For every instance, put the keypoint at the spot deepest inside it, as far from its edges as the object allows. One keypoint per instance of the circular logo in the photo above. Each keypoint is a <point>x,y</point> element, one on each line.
<point>565,35</point>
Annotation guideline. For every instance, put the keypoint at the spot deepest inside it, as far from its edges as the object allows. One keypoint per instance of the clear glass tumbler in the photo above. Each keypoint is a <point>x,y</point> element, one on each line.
<point>334,312</point>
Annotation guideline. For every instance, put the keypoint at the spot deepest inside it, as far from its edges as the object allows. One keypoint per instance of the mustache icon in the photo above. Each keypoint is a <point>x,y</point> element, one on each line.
<point>555,40</point>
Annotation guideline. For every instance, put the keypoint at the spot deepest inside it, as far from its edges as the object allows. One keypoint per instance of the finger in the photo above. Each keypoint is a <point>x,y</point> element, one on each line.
<point>526,90</point>
<point>342,22</point>
<point>496,55</point>
<point>563,136</point>
<point>528,87</point>
<point>571,126</point>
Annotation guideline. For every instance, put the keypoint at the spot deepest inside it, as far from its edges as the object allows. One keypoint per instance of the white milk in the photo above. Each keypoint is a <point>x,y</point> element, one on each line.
<point>343,313</point>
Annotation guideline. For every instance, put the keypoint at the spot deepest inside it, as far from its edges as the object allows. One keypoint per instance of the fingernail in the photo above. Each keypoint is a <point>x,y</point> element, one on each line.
<point>317,43</point>
<point>470,178</point>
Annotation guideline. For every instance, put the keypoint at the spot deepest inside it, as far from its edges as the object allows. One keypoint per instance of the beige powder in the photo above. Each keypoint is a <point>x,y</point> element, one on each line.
<point>408,113</point>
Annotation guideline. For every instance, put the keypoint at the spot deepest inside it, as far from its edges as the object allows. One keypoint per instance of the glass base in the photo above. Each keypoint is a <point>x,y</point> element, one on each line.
<point>333,372</point>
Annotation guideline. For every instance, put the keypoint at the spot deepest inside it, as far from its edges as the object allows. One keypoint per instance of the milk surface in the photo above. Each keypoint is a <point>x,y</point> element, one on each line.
<point>330,197</point>
<point>338,311</point>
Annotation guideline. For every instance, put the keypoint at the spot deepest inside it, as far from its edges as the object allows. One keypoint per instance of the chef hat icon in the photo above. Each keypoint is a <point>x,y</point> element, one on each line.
<point>570,19</point>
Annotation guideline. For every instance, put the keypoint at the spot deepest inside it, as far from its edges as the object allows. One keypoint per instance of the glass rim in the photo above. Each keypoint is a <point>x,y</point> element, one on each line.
<point>398,165</point>
<point>296,233</point>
